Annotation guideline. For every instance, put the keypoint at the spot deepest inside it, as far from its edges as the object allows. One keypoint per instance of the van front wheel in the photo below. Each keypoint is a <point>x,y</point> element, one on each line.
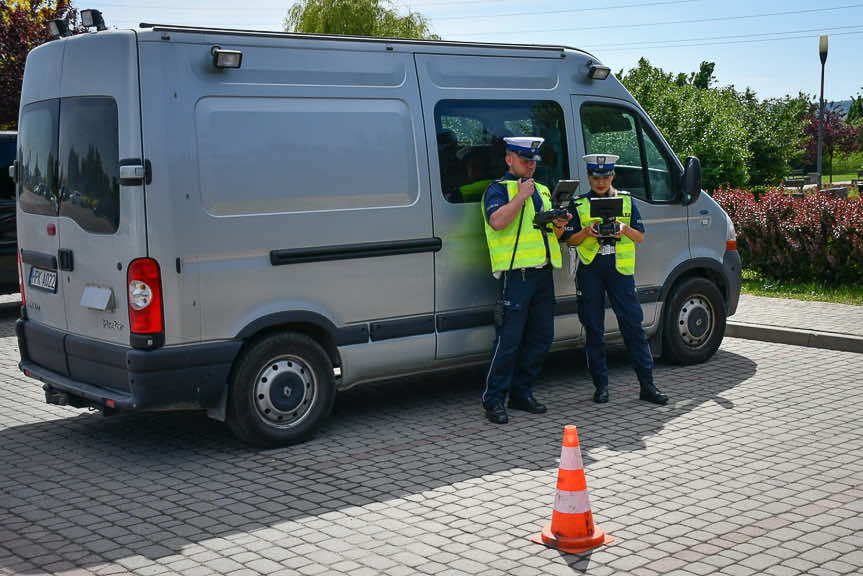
<point>694,322</point>
<point>282,390</point>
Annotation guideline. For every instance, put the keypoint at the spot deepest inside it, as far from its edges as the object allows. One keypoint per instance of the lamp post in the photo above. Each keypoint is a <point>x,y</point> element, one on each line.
<point>822,51</point>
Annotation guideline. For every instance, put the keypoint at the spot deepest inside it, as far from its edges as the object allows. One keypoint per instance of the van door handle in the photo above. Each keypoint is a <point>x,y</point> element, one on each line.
<point>134,172</point>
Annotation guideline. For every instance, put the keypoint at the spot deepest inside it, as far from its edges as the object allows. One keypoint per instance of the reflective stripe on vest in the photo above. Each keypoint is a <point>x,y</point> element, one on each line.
<point>531,245</point>
<point>624,250</point>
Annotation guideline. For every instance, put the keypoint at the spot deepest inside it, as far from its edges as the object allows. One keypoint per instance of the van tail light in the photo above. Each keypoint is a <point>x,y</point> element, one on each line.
<point>21,279</point>
<point>731,245</point>
<point>145,298</point>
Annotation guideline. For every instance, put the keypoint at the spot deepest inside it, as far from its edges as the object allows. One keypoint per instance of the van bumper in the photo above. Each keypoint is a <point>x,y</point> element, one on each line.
<point>732,267</point>
<point>84,372</point>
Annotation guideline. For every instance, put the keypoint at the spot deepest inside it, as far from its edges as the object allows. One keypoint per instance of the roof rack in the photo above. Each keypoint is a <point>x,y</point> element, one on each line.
<point>266,34</point>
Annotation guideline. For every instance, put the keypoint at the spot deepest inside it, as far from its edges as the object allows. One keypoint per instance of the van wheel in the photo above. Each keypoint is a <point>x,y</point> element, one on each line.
<point>281,391</point>
<point>694,322</point>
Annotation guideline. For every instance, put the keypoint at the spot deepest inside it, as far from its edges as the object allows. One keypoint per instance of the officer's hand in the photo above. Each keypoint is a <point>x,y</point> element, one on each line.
<point>525,188</point>
<point>620,228</point>
<point>592,231</point>
<point>561,222</point>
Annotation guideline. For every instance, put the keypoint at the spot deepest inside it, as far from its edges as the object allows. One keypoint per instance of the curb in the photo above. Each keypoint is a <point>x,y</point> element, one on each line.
<point>809,338</point>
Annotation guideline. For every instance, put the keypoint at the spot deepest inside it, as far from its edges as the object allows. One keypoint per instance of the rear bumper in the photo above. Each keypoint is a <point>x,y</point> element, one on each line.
<point>107,375</point>
<point>733,270</point>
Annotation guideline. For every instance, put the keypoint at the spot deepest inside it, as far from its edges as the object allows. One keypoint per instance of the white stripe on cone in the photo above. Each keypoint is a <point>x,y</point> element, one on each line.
<point>572,502</point>
<point>570,458</point>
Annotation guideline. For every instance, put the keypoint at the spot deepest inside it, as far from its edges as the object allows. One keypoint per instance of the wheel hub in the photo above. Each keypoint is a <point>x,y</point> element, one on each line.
<point>695,321</point>
<point>284,390</point>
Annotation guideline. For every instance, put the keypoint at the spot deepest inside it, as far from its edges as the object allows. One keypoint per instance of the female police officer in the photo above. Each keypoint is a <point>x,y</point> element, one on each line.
<point>606,264</point>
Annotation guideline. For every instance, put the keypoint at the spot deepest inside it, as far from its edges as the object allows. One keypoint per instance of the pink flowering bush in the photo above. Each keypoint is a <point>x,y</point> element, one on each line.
<point>817,237</point>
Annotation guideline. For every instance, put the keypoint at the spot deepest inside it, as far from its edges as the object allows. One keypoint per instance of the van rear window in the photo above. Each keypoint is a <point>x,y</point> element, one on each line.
<point>90,163</point>
<point>68,150</point>
<point>37,157</point>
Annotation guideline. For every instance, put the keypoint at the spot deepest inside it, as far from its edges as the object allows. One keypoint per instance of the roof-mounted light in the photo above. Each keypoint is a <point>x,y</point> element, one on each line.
<point>90,18</point>
<point>226,58</point>
<point>597,71</point>
<point>58,28</point>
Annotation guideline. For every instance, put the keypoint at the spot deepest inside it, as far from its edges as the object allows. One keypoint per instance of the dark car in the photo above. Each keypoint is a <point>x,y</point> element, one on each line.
<point>8,244</point>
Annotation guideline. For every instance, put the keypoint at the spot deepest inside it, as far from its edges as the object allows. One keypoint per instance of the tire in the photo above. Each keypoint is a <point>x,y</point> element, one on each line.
<point>694,322</point>
<point>282,389</point>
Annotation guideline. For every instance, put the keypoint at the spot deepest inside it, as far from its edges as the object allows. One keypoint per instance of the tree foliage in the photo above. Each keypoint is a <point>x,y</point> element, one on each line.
<point>838,136</point>
<point>22,28</point>
<point>739,139</point>
<point>376,18</point>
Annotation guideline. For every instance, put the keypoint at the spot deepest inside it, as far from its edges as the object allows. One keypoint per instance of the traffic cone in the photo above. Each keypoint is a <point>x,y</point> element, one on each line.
<point>572,529</point>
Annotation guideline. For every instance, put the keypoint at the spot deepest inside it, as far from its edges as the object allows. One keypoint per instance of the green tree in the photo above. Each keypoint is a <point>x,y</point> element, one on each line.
<point>855,112</point>
<point>22,28</point>
<point>708,123</point>
<point>776,135</point>
<point>376,18</point>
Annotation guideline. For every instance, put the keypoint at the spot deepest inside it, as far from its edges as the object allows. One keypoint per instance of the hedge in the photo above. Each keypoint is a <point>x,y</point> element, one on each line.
<point>814,238</point>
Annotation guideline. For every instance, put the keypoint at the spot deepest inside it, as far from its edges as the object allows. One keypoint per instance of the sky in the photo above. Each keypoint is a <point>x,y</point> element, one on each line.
<point>770,46</point>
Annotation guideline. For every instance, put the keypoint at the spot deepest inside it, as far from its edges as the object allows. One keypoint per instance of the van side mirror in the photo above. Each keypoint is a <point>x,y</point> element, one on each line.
<point>691,180</point>
<point>13,171</point>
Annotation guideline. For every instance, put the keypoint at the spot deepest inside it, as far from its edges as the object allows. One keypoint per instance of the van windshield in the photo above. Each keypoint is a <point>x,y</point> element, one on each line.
<point>69,156</point>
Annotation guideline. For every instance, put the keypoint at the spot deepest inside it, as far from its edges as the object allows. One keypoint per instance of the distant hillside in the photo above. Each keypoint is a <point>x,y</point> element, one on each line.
<point>842,105</point>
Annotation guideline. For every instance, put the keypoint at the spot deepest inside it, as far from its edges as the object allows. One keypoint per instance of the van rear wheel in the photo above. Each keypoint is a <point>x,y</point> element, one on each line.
<point>281,391</point>
<point>694,322</point>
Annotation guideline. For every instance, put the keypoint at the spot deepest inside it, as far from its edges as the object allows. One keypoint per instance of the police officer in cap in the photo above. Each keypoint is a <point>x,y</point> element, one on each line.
<point>522,259</point>
<point>606,265</point>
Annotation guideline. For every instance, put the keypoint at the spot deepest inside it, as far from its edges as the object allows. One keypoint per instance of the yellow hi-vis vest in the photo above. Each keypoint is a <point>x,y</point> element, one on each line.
<point>474,191</point>
<point>531,245</point>
<point>624,250</point>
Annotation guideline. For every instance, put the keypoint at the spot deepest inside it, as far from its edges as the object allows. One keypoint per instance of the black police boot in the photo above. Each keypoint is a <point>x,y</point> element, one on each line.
<point>528,404</point>
<point>651,393</point>
<point>496,413</point>
<point>601,394</point>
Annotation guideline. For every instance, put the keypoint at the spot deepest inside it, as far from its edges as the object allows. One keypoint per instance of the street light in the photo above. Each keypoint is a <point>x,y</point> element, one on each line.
<point>822,51</point>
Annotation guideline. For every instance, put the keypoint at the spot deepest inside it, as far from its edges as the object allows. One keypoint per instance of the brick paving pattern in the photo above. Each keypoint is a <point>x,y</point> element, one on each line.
<point>755,467</point>
<point>800,315</point>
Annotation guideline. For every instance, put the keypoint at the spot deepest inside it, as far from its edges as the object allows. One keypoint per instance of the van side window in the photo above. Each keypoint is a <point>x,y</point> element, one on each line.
<point>7,157</point>
<point>90,163</point>
<point>471,149</point>
<point>643,169</point>
<point>37,157</point>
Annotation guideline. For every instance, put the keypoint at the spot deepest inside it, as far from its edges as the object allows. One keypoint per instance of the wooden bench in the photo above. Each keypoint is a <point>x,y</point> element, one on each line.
<point>798,183</point>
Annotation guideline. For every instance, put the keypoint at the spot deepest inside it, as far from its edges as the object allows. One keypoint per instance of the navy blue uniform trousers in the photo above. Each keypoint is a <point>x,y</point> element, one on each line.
<point>525,336</point>
<point>593,282</point>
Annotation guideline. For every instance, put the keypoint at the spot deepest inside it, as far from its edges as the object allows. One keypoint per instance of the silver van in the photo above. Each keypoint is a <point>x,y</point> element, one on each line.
<point>247,222</point>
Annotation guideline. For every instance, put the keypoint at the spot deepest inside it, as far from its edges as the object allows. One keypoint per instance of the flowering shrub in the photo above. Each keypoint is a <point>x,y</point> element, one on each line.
<point>817,237</point>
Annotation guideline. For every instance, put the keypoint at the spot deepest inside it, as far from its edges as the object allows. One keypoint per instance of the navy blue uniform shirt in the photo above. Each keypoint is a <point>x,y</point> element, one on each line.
<point>497,195</point>
<point>574,224</point>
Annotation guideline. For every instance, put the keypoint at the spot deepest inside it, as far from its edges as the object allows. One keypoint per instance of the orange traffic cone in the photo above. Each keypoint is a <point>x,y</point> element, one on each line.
<point>571,529</point>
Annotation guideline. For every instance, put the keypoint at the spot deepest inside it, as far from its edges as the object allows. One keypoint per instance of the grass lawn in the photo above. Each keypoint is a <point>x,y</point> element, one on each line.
<point>825,178</point>
<point>755,285</point>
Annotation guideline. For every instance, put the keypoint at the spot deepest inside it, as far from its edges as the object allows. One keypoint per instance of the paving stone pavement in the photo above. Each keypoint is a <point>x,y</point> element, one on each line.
<point>800,314</point>
<point>755,467</point>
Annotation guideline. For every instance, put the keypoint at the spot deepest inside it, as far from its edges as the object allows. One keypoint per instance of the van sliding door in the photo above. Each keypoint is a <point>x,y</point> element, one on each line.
<point>470,104</point>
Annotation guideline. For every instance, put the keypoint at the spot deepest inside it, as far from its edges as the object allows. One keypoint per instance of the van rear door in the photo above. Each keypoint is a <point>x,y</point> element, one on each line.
<point>101,224</point>
<point>36,213</point>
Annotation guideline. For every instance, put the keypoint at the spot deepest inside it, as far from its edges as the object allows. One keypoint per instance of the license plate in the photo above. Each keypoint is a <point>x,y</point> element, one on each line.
<point>44,279</point>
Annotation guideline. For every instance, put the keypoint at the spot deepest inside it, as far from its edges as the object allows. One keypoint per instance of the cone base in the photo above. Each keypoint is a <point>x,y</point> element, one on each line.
<point>573,545</point>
